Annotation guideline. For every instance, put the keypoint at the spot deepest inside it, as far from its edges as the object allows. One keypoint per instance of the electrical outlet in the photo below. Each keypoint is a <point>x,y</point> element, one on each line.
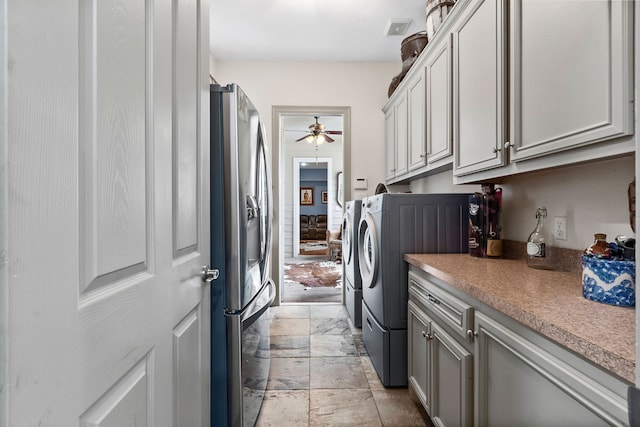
<point>560,227</point>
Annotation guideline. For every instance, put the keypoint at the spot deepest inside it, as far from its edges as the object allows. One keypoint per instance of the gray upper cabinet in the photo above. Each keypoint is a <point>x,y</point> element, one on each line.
<point>438,102</point>
<point>416,124</point>
<point>512,86</point>
<point>571,75</point>
<point>396,137</point>
<point>402,135</point>
<point>479,87</point>
<point>390,141</point>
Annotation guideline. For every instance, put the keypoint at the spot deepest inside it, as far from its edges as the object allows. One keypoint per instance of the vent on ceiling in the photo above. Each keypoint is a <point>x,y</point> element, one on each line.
<point>397,27</point>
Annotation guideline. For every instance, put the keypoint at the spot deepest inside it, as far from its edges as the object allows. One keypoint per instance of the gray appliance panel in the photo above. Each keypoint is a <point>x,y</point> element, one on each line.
<point>353,302</point>
<point>350,258</point>
<point>247,199</point>
<point>410,223</point>
<point>387,350</point>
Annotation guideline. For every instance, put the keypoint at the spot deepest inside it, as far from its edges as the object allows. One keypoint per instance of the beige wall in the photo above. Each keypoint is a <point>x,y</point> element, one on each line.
<point>593,197</point>
<point>361,86</point>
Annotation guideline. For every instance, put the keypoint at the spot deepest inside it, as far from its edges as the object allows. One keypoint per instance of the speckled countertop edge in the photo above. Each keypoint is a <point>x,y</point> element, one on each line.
<point>549,302</point>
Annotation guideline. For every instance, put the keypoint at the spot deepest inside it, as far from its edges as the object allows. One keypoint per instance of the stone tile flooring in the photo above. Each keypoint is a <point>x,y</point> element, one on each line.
<point>321,374</point>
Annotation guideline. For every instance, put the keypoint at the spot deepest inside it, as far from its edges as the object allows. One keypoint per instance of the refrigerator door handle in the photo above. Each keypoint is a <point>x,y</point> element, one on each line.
<point>248,310</point>
<point>253,210</point>
<point>246,322</point>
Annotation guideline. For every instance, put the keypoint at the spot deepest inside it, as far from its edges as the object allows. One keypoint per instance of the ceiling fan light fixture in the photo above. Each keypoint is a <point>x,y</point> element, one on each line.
<point>318,134</point>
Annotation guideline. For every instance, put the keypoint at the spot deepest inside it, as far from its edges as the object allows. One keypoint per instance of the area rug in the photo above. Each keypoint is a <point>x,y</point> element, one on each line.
<point>314,274</point>
<point>317,247</point>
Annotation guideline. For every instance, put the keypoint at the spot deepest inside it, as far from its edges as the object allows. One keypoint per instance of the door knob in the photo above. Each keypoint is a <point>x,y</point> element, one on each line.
<point>208,274</point>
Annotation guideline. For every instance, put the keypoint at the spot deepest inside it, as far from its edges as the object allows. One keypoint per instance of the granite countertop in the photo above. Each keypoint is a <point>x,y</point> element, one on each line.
<point>550,302</point>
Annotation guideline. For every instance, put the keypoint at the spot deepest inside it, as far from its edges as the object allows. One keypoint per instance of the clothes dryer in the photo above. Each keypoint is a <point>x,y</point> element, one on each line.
<point>351,262</point>
<point>390,226</point>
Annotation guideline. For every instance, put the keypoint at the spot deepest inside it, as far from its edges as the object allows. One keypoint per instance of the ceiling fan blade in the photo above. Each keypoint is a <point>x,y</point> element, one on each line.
<point>328,139</point>
<point>333,132</point>
<point>301,139</point>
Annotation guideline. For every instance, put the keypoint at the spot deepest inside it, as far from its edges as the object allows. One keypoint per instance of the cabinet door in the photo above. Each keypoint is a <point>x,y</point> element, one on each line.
<point>402,135</point>
<point>438,82</point>
<point>390,142</point>
<point>520,384</point>
<point>451,381</point>
<point>417,144</point>
<point>478,87</point>
<point>419,354</point>
<point>571,72</point>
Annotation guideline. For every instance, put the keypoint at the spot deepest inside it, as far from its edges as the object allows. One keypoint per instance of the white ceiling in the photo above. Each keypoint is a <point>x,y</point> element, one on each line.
<point>310,30</point>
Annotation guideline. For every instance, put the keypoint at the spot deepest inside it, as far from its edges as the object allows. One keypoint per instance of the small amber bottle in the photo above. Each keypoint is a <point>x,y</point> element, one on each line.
<point>600,245</point>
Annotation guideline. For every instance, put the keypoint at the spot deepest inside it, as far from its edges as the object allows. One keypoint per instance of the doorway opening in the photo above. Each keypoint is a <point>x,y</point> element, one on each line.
<point>313,200</point>
<point>308,202</point>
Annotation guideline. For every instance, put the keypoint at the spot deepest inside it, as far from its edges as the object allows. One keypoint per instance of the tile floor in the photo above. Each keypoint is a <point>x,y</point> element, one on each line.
<point>321,374</point>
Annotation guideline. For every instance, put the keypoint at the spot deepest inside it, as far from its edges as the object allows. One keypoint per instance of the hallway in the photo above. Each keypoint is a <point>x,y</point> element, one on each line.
<point>321,374</point>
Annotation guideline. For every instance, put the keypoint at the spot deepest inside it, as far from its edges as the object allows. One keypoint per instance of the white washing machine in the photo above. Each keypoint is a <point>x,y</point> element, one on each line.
<point>390,226</point>
<point>351,262</point>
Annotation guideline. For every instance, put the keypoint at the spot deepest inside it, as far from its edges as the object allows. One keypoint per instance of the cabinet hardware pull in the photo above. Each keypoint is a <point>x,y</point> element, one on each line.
<point>433,299</point>
<point>471,333</point>
<point>496,150</point>
<point>424,334</point>
<point>508,144</point>
<point>422,156</point>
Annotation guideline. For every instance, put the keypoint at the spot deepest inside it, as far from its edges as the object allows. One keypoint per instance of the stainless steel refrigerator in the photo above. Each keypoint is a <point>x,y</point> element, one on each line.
<point>240,250</point>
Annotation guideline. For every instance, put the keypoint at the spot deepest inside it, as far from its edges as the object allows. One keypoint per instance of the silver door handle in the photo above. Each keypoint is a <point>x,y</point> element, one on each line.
<point>209,274</point>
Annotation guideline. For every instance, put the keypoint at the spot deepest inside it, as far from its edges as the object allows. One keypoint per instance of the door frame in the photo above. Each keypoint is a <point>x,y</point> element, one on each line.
<point>277,111</point>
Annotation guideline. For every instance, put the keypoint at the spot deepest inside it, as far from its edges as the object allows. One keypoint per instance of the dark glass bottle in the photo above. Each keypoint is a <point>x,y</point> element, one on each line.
<point>493,220</point>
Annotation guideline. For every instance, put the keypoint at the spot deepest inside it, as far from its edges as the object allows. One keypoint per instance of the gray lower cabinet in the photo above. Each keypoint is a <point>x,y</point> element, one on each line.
<point>472,365</point>
<point>440,371</point>
<point>518,382</point>
<point>451,380</point>
<point>419,355</point>
<point>440,362</point>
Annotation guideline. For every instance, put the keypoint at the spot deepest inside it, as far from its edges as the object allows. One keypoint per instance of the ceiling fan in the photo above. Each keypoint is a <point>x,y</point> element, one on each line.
<point>317,133</point>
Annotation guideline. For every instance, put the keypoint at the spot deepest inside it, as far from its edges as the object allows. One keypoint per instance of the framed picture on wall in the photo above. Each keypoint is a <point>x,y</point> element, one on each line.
<point>306,196</point>
<point>324,197</point>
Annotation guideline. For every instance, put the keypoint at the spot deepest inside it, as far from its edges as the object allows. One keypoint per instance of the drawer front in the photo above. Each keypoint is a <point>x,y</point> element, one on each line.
<point>446,308</point>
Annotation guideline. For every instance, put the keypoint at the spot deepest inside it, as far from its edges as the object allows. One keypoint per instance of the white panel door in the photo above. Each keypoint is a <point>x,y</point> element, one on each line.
<point>104,212</point>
